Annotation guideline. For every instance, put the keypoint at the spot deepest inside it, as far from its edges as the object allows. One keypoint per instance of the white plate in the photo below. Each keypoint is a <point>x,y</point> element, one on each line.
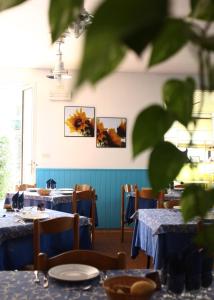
<point>30,215</point>
<point>33,190</point>
<point>66,190</point>
<point>73,272</point>
<point>178,189</point>
<point>177,207</point>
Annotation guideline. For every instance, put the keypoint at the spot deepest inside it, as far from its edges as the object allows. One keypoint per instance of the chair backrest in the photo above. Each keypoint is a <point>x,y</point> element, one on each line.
<point>89,257</point>
<point>172,203</point>
<point>146,193</point>
<point>24,186</point>
<point>83,187</point>
<point>126,188</point>
<point>51,226</point>
<point>86,196</point>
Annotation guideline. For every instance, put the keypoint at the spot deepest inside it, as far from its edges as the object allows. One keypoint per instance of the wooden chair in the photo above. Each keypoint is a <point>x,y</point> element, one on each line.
<point>89,257</point>
<point>172,203</point>
<point>125,188</point>
<point>24,186</point>
<point>51,226</point>
<point>83,187</point>
<point>86,196</point>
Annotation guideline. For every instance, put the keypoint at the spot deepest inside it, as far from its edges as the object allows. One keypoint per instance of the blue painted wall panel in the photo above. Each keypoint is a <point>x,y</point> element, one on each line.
<point>107,183</point>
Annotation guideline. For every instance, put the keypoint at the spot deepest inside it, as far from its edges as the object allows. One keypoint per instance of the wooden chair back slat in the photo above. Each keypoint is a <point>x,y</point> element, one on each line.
<point>89,257</point>
<point>51,226</point>
<point>24,187</point>
<point>83,187</point>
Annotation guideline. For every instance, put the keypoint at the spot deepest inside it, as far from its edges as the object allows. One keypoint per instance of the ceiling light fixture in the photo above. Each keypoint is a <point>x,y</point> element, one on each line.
<point>59,71</point>
<point>78,27</point>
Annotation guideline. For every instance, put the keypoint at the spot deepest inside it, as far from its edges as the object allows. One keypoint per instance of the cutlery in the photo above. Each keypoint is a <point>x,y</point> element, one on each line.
<point>21,221</point>
<point>103,277</point>
<point>83,288</point>
<point>36,277</point>
<point>45,281</point>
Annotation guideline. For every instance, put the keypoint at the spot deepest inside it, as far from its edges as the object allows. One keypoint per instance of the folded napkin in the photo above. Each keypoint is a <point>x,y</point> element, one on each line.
<point>51,184</point>
<point>20,203</point>
<point>15,200</point>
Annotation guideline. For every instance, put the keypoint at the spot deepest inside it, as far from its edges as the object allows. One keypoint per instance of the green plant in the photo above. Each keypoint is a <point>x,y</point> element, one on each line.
<point>121,25</point>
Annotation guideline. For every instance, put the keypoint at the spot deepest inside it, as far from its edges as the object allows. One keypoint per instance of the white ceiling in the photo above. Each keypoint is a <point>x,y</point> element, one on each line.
<point>25,41</point>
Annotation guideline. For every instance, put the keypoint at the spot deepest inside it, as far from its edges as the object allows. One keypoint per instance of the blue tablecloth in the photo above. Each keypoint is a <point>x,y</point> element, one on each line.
<point>56,201</point>
<point>161,232</point>
<point>21,286</point>
<point>16,240</point>
<point>142,202</point>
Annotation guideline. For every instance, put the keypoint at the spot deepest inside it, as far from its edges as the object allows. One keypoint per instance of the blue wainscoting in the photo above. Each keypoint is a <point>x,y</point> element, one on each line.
<point>107,183</point>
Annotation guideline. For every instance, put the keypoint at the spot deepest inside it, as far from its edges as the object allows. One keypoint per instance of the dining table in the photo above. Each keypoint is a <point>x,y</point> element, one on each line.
<point>59,199</point>
<point>16,238</point>
<point>161,233</point>
<point>21,285</point>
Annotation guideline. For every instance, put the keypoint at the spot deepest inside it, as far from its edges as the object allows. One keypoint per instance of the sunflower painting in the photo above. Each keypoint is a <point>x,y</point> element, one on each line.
<point>111,132</point>
<point>79,121</point>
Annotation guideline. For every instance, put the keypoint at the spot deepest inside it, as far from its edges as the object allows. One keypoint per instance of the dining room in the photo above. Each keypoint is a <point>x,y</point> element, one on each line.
<point>107,124</point>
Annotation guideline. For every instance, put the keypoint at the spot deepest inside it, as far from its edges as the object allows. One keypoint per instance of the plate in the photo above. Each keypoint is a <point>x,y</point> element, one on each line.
<point>66,190</point>
<point>32,190</point>
<point>178,188</point>
<point>73,272</point>
<point>177,207</point>
<point>30,215</point>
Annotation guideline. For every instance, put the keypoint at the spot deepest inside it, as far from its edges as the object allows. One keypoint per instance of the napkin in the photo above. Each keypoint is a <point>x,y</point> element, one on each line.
<point>20,201</point>
<point>15,200</point>
<point>51,184</point>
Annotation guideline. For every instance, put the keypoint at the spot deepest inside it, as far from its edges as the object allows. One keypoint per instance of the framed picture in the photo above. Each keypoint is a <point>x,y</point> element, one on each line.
<point>79,121</point>
<point>111,132</point>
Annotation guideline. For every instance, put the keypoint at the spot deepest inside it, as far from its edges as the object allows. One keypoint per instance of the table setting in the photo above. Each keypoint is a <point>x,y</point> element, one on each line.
<point>16,236</point>
<point>163,235</point>
<point>28,285</point>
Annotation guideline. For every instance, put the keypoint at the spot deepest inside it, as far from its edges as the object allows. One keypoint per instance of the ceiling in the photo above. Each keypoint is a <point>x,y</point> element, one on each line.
<point>26,42</point>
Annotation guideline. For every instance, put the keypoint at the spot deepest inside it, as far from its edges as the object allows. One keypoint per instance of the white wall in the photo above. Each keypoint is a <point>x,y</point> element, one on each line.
<point>120,95</point>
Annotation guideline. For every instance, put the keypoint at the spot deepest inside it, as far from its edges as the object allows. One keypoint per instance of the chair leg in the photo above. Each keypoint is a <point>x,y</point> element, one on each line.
<point>122,232</point>
<point>148,260</point>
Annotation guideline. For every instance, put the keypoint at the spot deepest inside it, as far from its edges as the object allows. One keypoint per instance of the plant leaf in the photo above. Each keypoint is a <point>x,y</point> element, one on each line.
<point>138,38</point>
<point>164,165</point>
<point>173,36</point>
<point>9,3</point>
<point>202,9</point>
<point>178,96</point>
<point>149,128</point>
<point>193,202</point>
<point>97,64</point>
<point>61,15</point>
<point>106,35</point>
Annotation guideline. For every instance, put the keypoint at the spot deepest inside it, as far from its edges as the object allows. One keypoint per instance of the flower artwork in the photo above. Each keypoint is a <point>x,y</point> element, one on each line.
<point>111,132</point>
<point>79,121</point>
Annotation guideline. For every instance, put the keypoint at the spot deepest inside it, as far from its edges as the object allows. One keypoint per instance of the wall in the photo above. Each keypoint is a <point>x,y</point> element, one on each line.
<point>71,160</point>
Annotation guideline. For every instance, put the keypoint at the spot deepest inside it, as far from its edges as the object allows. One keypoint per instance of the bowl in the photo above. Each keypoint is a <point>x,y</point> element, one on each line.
<point>44,192</point>
<point>122,288</point>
